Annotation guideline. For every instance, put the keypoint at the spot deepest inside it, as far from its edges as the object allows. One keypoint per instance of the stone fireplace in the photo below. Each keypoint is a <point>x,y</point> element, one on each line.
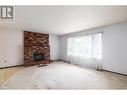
<point>36,48</point>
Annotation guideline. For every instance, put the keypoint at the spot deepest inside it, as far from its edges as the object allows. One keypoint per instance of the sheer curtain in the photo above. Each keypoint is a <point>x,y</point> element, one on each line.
<point>85,50</point>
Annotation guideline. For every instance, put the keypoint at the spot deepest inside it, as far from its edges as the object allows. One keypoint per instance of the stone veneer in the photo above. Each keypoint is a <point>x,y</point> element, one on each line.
<point>36,43</point>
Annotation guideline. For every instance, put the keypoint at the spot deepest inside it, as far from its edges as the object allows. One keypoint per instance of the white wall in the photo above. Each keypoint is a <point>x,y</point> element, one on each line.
<point>54,47</point>
<point>11,47</point>
<point>114,46</point>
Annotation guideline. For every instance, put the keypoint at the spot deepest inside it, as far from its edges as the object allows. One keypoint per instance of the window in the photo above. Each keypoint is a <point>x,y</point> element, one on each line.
<point>88,46</point>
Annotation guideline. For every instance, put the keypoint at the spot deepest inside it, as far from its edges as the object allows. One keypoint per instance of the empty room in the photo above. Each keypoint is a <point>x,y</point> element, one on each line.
<point>63,47</point>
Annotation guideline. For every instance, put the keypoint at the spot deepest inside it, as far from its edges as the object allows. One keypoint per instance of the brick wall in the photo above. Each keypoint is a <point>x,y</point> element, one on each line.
<point>36,43</point>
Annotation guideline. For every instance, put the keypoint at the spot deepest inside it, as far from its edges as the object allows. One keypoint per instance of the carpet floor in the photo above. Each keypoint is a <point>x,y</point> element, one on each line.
<point>61,75</point>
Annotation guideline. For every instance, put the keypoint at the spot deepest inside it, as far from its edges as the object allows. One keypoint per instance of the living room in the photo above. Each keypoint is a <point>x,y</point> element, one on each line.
<point>56,47</point>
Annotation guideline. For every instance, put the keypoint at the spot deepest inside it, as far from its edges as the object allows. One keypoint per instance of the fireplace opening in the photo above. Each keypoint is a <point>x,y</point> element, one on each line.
<point>38,57</point>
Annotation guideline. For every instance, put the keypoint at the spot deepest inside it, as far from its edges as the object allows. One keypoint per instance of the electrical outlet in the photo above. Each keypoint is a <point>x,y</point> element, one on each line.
<point>5,61</point>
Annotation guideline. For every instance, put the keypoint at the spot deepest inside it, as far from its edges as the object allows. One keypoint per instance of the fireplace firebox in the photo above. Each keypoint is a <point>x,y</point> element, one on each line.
<point>38,57</point>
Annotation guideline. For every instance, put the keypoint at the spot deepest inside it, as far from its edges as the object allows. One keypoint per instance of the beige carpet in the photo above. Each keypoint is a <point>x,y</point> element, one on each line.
<point>61,75</point>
